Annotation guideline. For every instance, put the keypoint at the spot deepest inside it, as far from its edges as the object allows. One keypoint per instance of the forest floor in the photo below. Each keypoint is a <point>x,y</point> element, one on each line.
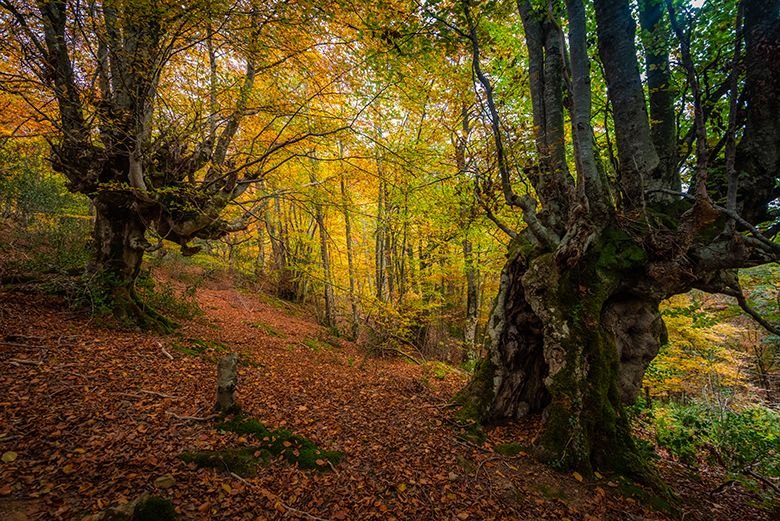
<point>92,416</point>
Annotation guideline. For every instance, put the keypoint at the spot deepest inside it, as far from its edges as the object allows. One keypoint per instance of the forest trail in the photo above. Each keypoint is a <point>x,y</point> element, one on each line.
<point>95,415</point>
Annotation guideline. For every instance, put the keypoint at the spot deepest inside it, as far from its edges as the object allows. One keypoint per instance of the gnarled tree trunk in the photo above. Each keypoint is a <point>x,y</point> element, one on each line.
<point>571,342</point>
<point>120,243</point>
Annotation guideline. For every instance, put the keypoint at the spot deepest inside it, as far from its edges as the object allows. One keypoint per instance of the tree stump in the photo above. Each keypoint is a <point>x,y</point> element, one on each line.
<point>227,381</point>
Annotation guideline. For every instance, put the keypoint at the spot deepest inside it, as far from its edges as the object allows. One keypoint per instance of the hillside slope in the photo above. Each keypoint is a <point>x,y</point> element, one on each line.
<point>95,415</point>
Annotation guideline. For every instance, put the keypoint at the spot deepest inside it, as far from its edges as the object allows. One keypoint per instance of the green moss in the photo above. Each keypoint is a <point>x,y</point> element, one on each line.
<point>242,461</point>
<point>197,347</point>
<point>154,508</point>
<point>619,252</point>
<point>317,345</point>
<point>520,245</point>
<point>438,370</point>
<point>476,397</point>
<point>281,442</point>
<point>551,492</point>
<point>467,465</point>
<point>204,345</point>
<point>646,497</point>
<point>268,330</point>
<point>510,449</point>
<point>185,350</point>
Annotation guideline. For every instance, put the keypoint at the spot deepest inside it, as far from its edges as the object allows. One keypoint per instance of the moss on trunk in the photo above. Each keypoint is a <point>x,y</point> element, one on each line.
<point>119,241</point>
<point>556,338</point>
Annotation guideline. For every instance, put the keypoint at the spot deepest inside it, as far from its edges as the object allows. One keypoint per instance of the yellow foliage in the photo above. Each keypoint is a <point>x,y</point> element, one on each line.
<point>698,358</point>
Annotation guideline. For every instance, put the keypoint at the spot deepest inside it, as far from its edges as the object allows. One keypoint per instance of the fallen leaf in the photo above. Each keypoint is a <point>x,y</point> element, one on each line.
<point>165,481</point>
<point>9,456</point>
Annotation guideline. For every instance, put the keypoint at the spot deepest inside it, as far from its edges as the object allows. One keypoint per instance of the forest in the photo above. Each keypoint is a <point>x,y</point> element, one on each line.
<point>410,259</point>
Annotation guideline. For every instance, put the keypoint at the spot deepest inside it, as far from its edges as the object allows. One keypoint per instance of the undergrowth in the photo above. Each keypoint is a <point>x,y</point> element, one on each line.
<point>745,442</point>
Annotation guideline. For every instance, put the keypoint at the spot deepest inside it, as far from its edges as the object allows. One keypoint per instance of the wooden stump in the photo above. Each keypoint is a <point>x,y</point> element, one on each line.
<point>227,381</point>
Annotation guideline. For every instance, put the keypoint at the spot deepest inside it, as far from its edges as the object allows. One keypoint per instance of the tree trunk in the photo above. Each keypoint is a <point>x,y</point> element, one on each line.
<point>380,241</point>
<point>571,343</point>
<point>119,249</point>
<point>330,301</point>
<point>227,381</point>
<point>355,322</point>
<point>472,297</point>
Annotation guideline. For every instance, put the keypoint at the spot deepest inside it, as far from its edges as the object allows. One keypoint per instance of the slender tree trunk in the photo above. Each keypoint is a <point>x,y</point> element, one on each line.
<point>355,322</point>
<point>381,242</point>
<point>330,300</point>
<point>260,259</point>
<point>472,296</point>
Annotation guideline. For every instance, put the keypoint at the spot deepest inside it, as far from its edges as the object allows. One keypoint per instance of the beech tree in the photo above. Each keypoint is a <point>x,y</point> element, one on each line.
<point>148,170</point>
<point>576,319</point>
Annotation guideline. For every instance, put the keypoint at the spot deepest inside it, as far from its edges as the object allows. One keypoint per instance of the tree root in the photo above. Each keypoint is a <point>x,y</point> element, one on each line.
<point>129,308</point>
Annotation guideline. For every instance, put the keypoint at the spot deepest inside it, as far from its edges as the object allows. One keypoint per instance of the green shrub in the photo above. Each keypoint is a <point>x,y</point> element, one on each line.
<point>739,440</point>
<point>749,439</point>
<point>681,429</point>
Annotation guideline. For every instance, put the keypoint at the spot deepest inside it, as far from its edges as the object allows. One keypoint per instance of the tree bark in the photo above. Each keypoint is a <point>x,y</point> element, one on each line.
<point>472,297</point>
<point>571,343</point>
<point>354,322</point>
<point>638,159</point>
<point>758,153</point>
<point>655,40</point>
<point>119,249</point>
<point>227,381</point>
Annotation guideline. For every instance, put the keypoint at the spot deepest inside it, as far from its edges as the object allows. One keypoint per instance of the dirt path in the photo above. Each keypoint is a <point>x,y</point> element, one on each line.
<point>91,414</point>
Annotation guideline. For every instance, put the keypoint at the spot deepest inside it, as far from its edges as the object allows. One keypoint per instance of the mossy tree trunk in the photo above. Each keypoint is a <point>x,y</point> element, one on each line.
<point>571,343</point>
<point>120,243</point>
<point>576,320</point>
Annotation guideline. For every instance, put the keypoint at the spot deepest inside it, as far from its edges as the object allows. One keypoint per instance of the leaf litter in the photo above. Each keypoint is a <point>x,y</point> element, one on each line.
<point>92,417</point>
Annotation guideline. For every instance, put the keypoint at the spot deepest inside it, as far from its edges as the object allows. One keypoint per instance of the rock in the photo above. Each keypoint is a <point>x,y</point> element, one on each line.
<point>165,481</point>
